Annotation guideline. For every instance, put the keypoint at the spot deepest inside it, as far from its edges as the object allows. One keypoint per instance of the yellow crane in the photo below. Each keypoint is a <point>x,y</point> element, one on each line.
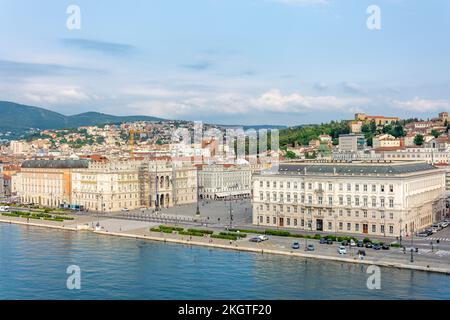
<point>133,132</point>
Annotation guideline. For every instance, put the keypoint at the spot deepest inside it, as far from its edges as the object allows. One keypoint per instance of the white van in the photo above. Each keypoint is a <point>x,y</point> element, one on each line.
<point>4,209</point>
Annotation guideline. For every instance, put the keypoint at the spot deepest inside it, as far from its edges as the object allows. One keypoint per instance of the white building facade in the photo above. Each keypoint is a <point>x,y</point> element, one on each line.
<point>222,181</point>
<point>383,199</point>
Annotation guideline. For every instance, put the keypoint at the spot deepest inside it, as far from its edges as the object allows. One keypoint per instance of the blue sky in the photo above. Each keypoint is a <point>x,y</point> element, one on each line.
<point>228,61</point>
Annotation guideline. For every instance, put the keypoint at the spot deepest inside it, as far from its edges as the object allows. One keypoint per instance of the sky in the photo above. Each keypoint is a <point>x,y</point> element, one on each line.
<point>286,62</point>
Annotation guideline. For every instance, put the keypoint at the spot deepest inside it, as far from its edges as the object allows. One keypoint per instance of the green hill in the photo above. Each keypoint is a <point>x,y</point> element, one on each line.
<point>18,118</point>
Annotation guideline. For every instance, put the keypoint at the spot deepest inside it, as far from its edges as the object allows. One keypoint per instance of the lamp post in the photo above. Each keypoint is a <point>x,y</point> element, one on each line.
<point>197,212</point>
<point>401,231</point>
<point>412,245</point>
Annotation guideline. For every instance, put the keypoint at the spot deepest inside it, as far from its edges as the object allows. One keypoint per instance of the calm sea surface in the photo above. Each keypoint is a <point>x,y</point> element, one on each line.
<point>33,263</point>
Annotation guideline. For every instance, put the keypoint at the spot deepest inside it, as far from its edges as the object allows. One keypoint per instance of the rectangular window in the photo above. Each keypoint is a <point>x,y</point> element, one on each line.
<point>374,228</point>
<point>330,200</point>
<point>391,229</point>
<point>356,227</point>
<point>391,203</point>
<point>391,188</point>
<point>349,226</point>
<point>340,226</point>
<point>382,188</point>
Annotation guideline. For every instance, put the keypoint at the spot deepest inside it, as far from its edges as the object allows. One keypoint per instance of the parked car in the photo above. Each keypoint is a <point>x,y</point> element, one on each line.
<point>310,247</point>
<point>429,231</point>
<point>344,243</point>
<point>352,243</point>
<point>263,237</point>
<point>360,243</point>
<point>385,246</point>
<point>445,224</point>
<point>125,210</point>
<point>362,252</point>
<point>436,226</point>
<point>255,239</point>
<point>296,245</point>
<point>369,245</point>
<point>423,234</point>
<point>323,241</point>
<point>329,241</point>
<point>342,250</point>
<point>376,246</point>
<point>4,209</point>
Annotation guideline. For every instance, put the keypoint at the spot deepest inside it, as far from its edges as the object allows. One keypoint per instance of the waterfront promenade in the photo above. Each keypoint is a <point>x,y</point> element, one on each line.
<point>435,259</point>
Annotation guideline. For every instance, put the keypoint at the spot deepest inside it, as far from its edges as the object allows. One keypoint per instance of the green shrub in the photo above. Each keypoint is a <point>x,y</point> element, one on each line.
<point>233,234</point>
<point>190,233</point>
<point>396,245</point>
<point>224,236</point>
<point>279,233</point>
<point>202,231</point>
<point>366,240</point>
<point>244,230</point>
<point>171,228</point>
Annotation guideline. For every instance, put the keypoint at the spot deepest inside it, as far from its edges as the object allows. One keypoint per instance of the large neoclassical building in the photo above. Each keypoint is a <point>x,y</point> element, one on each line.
<point>374,198</point>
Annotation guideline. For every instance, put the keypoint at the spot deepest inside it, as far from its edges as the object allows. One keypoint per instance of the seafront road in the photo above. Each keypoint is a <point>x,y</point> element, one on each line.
<point>431,257</point>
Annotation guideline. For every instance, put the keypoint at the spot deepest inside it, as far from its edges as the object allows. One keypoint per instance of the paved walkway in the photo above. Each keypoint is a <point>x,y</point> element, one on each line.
<point>426,259</point>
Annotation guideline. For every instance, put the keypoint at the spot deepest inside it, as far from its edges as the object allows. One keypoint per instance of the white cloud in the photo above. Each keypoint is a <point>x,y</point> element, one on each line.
<point>272,101</point>
<point>421,105</point>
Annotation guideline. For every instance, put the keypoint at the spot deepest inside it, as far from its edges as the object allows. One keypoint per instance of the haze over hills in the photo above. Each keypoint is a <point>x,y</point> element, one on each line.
<point>18,118</point>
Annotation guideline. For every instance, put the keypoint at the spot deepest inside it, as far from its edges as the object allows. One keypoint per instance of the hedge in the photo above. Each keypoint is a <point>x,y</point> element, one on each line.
<point>203,231</point>
<point>224,236</point>
<point>279,233</point>
<point>233,234</point>
<point>190,233</point>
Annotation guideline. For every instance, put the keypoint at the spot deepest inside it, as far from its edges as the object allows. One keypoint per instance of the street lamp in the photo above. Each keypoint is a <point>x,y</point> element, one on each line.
<point>412,245</point>
<point>401,231</point>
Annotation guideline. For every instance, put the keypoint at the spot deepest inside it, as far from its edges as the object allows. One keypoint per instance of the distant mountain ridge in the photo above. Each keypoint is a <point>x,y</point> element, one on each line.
<point>19,118</point>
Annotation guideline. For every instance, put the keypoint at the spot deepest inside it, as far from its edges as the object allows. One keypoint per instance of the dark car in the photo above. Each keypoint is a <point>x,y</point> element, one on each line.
<point>377,246</point>
<point>256,239</point>
<point>344,243</point>
<point>369,245</point>
<point>323,241</point>
<point>385,246</point>
<point>360,243</point>
<point>296,245</point>
<point>329,241</point>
